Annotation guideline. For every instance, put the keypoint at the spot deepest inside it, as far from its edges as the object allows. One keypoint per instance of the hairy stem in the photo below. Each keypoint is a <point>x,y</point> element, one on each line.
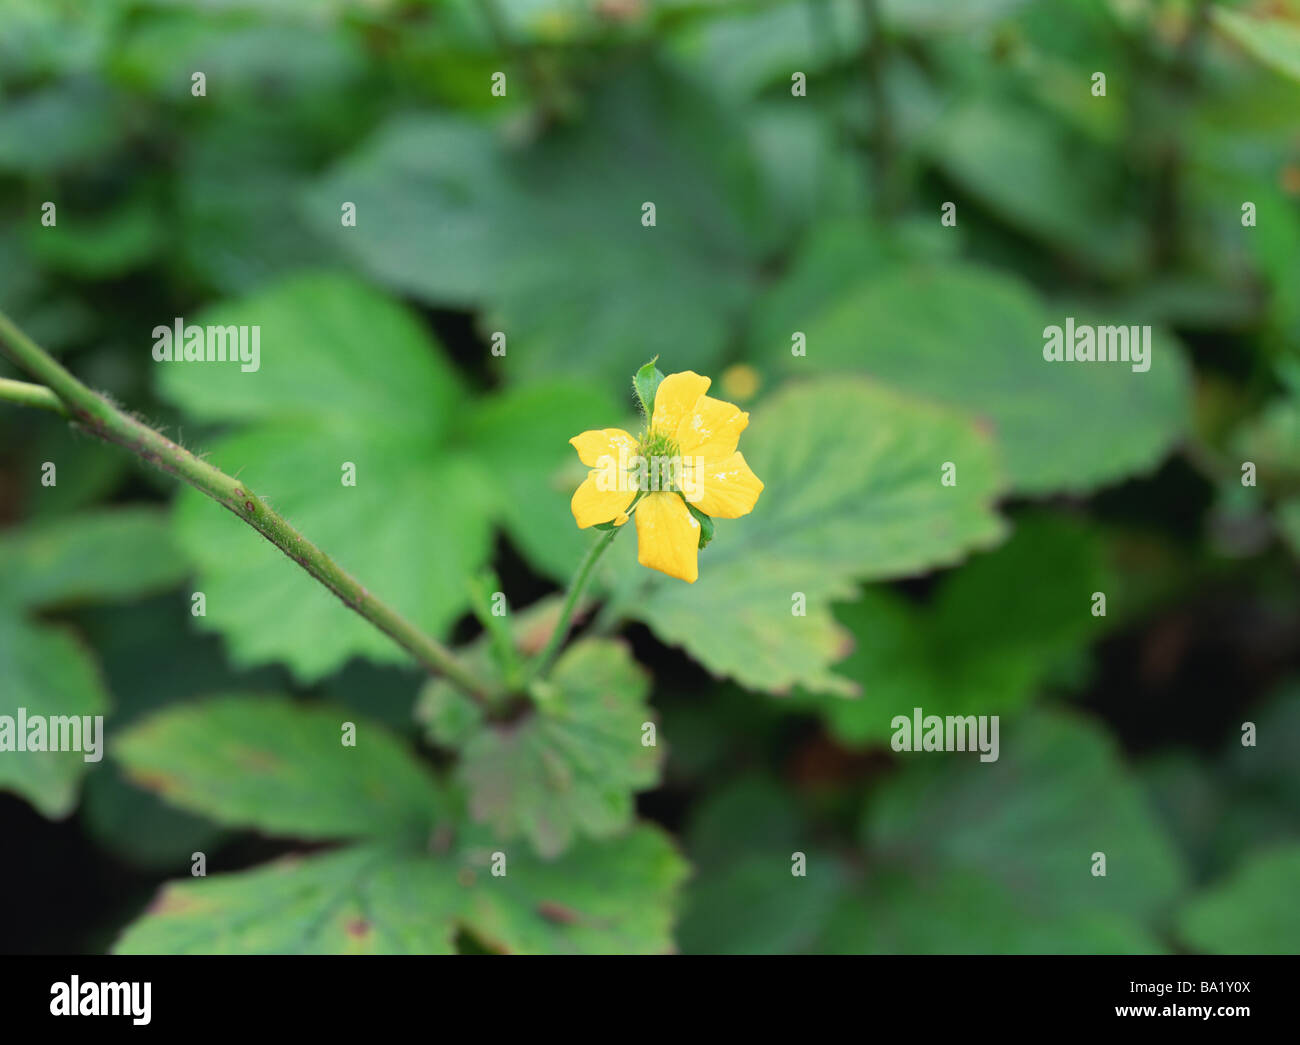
<point>95,414</point>
<point>543,662</point>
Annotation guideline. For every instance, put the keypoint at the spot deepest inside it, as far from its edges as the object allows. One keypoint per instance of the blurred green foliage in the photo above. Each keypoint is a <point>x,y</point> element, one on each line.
<point>776,213</point>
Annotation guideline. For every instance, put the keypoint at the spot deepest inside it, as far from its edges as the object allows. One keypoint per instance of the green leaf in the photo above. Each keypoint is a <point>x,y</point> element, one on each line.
<point>1288,518</point>
<point>1271,440</point>
<point>1241,801</point>
<point>611,898</point>
<point>929,16</point>
<point>358,900</point>
<point>451,717</point>
<point>330,347</point>
<point>616,896</point>
<point>1056,770</point>
<point>348,376</point>
<point>236,233</point>
<point>521,439</point>
<point>743,49</point>
<point>853,492</point>
<point>973,339</point>
<point>90,557</point>
<point>59,127</point>
<point>834,259</point>
<point>264,762</point>
<point>89,471</point>
<point>1019,834</point>
<point>48,672</point>
<point>139,828</point>
<point>106,245</point>
<point>1273,41</point>
<point>297,56</point>
<point>152,658</point>
<point>393,531</point>
<point>953,911</point>
<point>646,382</point>
<point>1265,771</point>
<point>569,767</point>
<point>744,899</point>
<point>979,645</point>
<point>1042,178</point>
<point>956,856</point>
<point>94,556</point>
<point>1252,911</point>
<point>46,40</point>
<point>542,236</point>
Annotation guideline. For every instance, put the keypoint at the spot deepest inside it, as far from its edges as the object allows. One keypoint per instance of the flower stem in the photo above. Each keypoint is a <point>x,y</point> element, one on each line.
<point>24,394</point>
<point>95,414</point>
<point>543,662</point>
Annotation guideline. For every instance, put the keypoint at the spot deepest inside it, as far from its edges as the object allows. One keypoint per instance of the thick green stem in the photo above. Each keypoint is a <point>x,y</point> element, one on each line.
<point>95,414</point>
<point>543,662</point>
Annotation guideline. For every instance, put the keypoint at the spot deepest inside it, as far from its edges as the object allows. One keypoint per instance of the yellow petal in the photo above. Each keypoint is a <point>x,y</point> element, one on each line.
<point>728,488</point>
<point>711,429</point>
<point>667,536</point>
<point>602,442</point>
<point>676,397</point>
<point>594,504</point>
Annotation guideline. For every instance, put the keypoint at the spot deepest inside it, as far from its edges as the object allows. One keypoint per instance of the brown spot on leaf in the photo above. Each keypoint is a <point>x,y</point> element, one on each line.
<point>151,780</point>
<point>441,839</point>
<point>256,759</point>
<point>1290,179</point>
<point>171,900</point>
<point>558,913</point>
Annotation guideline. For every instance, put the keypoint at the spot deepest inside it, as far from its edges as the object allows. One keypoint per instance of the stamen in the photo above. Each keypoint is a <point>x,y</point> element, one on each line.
<point>659,467</point>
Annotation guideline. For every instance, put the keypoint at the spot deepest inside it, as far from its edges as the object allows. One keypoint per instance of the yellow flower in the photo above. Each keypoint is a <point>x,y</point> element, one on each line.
<point>688,453</point>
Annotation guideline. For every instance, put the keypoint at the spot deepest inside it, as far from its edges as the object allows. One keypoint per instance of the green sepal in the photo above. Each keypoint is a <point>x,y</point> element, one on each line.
<point>646,384</point>
<point>706,523</point>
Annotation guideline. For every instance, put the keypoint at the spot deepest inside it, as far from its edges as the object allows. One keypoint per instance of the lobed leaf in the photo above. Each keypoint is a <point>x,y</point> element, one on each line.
<point>612,898</point>
<point>1251,911</point>
<point>572,766</point>
<point>266,763</point>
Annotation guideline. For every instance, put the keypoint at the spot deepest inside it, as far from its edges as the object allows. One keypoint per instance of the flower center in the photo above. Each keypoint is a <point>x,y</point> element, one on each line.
<point>658,468</point>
